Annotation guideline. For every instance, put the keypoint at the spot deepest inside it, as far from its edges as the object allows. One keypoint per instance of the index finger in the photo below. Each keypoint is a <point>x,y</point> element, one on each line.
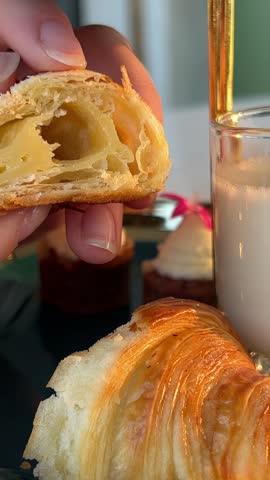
<point>41,33</point>
<point>106,50</point>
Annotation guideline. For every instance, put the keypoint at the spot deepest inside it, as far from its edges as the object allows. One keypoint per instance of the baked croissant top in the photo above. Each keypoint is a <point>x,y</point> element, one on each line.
<point>171,395</point>
<point>77,136</point>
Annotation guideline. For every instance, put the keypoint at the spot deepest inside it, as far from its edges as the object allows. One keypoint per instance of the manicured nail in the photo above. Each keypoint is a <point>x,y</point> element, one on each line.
<point>60,43</point>
<point>99,229</point>
<point>9,62</point>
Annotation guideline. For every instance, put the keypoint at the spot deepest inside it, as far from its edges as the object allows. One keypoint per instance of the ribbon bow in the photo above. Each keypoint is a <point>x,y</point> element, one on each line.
<point>185,206</point>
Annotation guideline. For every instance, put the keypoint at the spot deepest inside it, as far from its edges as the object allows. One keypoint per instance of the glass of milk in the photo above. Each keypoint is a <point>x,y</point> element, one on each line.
<point>240,157</point>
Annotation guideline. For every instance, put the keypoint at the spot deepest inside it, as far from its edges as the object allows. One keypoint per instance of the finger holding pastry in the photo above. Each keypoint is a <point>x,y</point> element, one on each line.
<point>76,136</point>
<point>17,225</point>
<point>44,36</point>
<point>29,46</point>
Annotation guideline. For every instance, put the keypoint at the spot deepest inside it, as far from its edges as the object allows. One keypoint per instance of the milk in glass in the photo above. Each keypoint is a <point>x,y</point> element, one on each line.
<point>242,247</point>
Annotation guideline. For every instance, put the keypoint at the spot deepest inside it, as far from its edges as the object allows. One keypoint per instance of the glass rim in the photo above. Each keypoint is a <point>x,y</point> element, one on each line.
<point>222,122</point>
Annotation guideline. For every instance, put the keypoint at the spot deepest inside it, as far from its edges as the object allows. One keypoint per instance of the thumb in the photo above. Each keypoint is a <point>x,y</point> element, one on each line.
<point>41,33</point>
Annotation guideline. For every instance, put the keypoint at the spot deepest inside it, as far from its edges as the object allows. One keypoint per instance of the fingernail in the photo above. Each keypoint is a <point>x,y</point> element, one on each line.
<point>9,62</point>
<point>60,43</point>
<point>99,230</point>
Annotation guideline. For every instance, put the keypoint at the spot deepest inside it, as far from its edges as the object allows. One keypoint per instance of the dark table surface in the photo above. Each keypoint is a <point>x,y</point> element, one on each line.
<point>33,338</point>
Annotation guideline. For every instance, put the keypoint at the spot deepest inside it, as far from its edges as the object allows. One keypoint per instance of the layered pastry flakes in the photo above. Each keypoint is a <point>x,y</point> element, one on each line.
<point>77,136</point>
<point>172,395</point>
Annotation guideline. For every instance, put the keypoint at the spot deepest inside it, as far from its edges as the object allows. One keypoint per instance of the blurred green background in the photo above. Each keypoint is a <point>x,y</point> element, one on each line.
<point>252,47</point>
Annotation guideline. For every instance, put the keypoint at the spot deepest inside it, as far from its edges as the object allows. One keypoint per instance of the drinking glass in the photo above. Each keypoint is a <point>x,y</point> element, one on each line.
<point>240,159</point>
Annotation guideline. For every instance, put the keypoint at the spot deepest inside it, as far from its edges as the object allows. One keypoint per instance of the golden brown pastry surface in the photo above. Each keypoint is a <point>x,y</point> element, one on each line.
<point>171,395</point>
<point>77,136</point>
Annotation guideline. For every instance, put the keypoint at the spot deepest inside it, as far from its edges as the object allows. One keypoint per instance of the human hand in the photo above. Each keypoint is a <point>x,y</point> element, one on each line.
<point>43,39</point>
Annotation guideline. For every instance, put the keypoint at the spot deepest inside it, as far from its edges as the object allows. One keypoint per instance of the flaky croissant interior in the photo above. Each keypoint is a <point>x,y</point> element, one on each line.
<point>78,136</point>
<point>172,395</point>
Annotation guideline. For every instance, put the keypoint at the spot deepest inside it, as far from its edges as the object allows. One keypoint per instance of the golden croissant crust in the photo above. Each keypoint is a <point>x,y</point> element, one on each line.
<point>78,136</point>
<point>171,395</point>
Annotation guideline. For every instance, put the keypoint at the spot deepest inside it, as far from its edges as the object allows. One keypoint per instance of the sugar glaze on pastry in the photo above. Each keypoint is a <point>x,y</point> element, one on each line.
<point>171,395</point>
<point>77,136</point>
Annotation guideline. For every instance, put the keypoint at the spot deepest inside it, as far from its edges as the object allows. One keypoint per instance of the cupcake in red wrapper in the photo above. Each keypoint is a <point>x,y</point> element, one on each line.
<point>73,285</point>
<point>183,267</point>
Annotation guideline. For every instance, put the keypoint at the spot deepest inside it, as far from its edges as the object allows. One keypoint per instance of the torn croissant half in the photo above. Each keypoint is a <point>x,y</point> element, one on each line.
<point>77,136</point>
<point>172,395</point>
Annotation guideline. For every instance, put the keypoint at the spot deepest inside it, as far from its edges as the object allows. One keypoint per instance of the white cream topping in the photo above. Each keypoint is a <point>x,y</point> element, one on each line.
<point>187,253</point>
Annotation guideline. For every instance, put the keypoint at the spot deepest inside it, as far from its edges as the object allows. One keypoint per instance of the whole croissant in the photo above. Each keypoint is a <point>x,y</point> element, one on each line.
<point>171,395</point>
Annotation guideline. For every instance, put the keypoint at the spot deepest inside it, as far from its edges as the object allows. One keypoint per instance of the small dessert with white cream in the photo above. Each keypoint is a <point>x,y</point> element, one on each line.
<point>184,265</point>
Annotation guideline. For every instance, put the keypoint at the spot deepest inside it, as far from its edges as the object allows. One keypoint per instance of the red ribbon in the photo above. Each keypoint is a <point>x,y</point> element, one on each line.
<point>185,206</point>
